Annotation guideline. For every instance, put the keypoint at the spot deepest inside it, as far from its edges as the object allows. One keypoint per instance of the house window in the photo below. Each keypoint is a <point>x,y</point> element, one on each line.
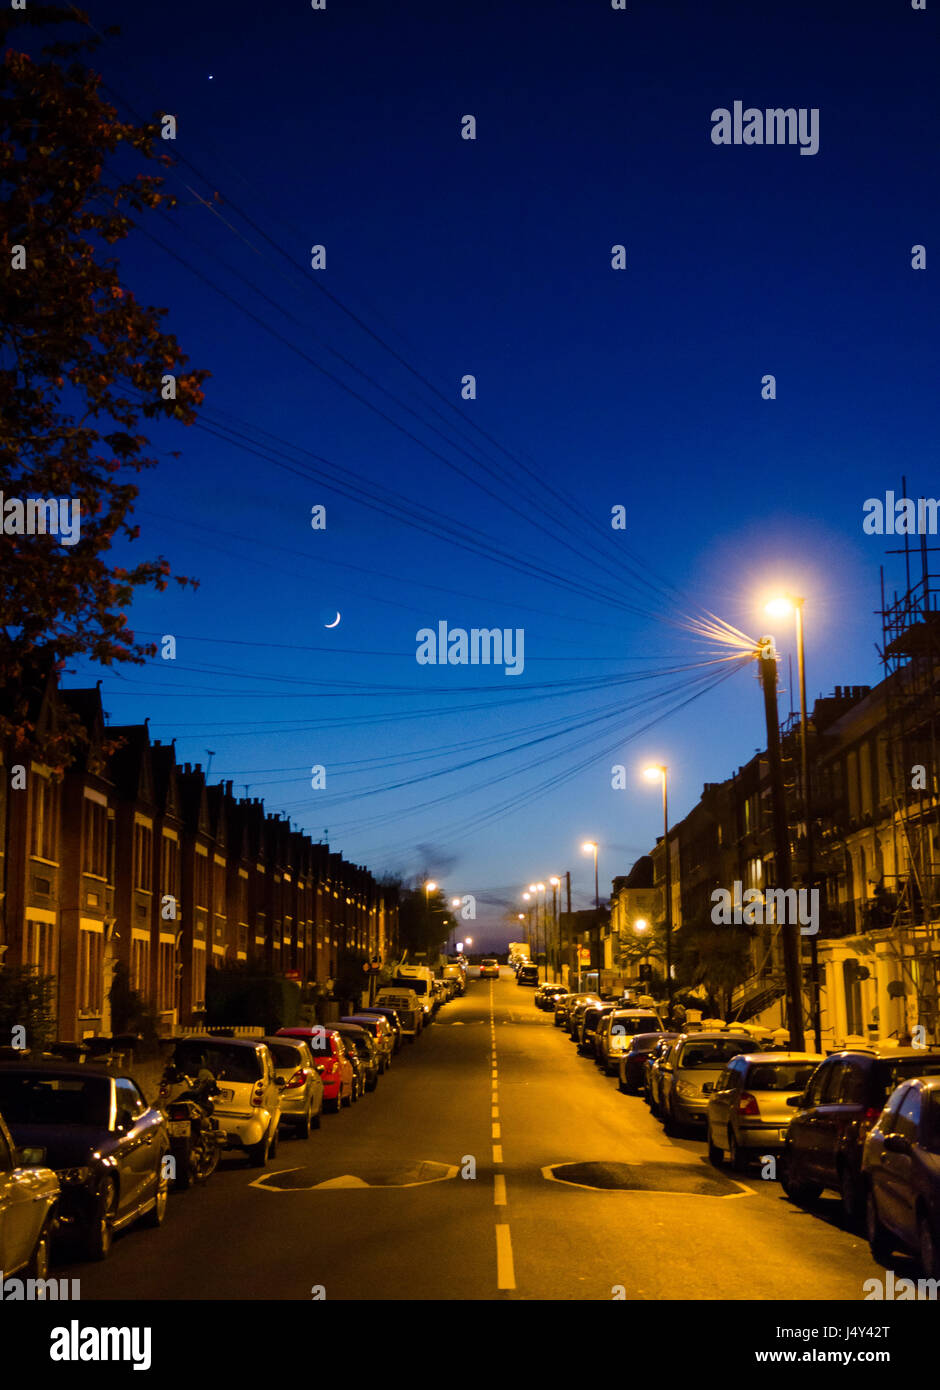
<point>45,817</point>
<point>199,979</point>
<point>143,857</point>
<point>166,976</point>
<point>140,965</point>
<point>202,880</point>
<point>90,971</point>
<point>94,838</point>
<point>40,947</point>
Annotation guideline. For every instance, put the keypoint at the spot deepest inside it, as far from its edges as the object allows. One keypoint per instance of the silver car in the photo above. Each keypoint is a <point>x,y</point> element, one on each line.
<point>299,1082</point>
<point>28,1202</point>
<point>693,1061</point>
<point>747,1105</point>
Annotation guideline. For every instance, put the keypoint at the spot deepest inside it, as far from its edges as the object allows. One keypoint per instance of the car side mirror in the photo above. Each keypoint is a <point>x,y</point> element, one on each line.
<point>708,1088</point>
<point>897,1144</point>
<point>795,1101</point>
<point>280,1083</point>
<point>125,1121</point>
<point>30,1158</point>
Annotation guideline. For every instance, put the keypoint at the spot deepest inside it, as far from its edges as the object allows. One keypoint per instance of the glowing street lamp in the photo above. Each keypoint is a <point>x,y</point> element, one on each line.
<point>782,606</point>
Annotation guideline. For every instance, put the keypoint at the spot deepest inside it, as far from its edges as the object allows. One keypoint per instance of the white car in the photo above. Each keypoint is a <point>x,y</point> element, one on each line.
<point>249,1106</point>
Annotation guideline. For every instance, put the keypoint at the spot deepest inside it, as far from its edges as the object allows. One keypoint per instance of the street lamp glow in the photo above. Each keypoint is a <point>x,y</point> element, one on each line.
<point>589,847</point>
<point>525,897</point>
<point>540,887</point>
<point>533,888</point>
<point>455,902</point>
<point>641,924</point>
<point>653,774</point>
<point>780,607</point>
<point>521,916</point>
<point>430,886</point>
<point>469,940</point>
<point>554,882</point>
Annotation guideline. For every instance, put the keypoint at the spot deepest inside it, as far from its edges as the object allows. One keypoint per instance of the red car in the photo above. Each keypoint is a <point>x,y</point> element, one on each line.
<point>330,1060</point>
<point>489,967</point>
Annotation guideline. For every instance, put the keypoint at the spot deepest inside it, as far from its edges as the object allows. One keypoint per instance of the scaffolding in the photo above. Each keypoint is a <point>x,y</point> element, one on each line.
<point>910,655</point>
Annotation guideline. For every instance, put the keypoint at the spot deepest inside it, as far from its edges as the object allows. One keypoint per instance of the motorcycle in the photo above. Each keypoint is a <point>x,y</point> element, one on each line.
<point>196,1140</point>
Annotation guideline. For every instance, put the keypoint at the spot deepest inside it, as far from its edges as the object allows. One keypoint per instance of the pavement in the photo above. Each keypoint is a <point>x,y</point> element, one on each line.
<point>491,1163</point>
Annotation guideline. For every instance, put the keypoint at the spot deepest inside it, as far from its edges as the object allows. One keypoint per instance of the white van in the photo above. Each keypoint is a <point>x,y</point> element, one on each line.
<point>420,978</point>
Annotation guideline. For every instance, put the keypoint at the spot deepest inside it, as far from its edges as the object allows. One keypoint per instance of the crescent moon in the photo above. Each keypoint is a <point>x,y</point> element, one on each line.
<point>336,622</point>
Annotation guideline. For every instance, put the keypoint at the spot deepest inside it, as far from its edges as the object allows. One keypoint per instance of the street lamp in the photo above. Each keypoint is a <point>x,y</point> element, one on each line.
<point>781,607</point>
<point>652,774</point>
<point>555,882</point>
<point>590,847</point>
<point>429,887</point>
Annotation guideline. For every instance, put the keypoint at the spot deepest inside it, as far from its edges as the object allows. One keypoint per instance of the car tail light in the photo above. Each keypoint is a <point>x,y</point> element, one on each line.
<point>257,1095</point>
<point>747,1104</point>
<point>298,1079</point>
<point>178,1112</point>
<point>870,1115</point>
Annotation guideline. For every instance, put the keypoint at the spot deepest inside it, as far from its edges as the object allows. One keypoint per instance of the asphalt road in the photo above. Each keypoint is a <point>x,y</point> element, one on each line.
<point>381,1202</point>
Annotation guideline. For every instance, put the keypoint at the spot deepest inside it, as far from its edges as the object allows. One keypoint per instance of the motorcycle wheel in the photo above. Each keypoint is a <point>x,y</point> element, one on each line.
<point>210,1161</point>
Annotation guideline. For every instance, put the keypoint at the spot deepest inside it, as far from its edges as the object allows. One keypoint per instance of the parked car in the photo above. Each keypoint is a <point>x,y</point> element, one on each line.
<point>442,992</point>
<point>747,1106</point>
<point>576,1014</point>
<point>393,1021</point>
<point>652,1088</point>
<point>248,1106</point>
<point>633,1061</point>
<point>29,1197</point>
<point>901,1175</point>
<point>843,1099</point>
<point>355,1060</point>
<point>301,1084</point>
<point>546,995</point>
<point>616,1029</point>
<point>458,975</point>
<point>590,1023</point>
<point>693,1060</point>
<point>489,968</point>
<point>329,1059</point>
<point>527,975</point>
<point>94,1128</point>
<point>366,1050</point>
<point>564,1003</point>
<point>382,1036</point>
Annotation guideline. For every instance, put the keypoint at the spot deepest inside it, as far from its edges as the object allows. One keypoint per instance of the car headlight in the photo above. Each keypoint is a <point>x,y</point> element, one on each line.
<point>687,1088</point>
<point>73,1175</point>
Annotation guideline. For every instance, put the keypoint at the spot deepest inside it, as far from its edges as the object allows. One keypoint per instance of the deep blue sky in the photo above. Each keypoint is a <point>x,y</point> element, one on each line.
<point>639,387</point>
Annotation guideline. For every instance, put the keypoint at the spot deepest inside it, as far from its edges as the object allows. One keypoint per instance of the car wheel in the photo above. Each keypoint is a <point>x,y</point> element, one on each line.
<point>799,1192</point>
<point>157,1213</point>
<point>716,1155</point>
<point>303,1129</point>
<point>258,1153</point>
<point>670,1123</point>
<point>350,1096</point>
<point>38,1267</point>
<point>99,1237</point>
<point>851,1197</point>
<point>928,1247</point>
<point>275,1135</point>
<point>737,1155</point>
<point>879,1240</point>
<point>315,1119</point>
<point>622,1087</point>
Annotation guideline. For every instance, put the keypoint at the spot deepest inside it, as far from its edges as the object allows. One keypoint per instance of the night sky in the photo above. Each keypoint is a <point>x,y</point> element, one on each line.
<point>595,388</point>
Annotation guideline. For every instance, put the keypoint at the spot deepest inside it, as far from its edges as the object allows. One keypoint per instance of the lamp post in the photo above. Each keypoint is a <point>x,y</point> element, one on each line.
<point>534,890</point>
<point>429,887</point>
<point>779,608</point>
<point>652,774</point>
<point>555,881</point>
<point>590,847</point>
<point>639,927</point>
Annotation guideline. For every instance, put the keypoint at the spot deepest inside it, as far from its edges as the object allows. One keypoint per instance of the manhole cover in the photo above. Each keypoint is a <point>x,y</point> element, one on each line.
<point>693,1180</point>
<point>374,1174</point>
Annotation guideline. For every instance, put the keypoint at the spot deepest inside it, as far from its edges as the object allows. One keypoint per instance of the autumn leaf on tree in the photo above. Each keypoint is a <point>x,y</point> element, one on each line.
<point>82,360</point>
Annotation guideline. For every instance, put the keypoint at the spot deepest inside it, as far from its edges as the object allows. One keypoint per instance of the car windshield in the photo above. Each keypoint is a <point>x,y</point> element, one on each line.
<point>644,1042</point>
<point>779,1076</point>
<point>491,962</point>
<point>414,982</point>
<point>31,1099</point>
<point>714,1052</point>
<point>226,1063</point>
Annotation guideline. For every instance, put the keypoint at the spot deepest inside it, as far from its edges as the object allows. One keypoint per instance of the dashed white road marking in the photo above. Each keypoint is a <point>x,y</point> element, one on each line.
<point>499,1190</point>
